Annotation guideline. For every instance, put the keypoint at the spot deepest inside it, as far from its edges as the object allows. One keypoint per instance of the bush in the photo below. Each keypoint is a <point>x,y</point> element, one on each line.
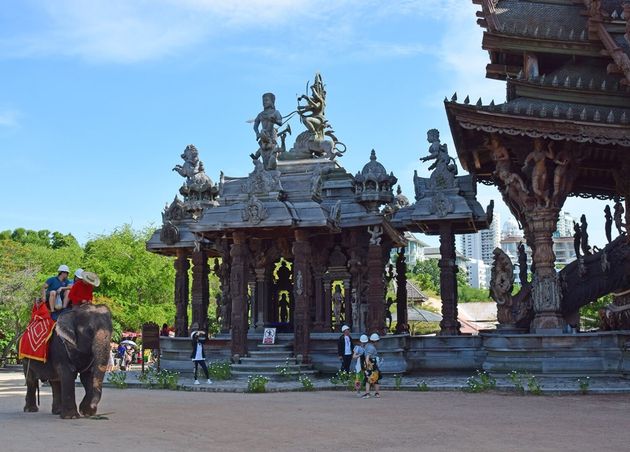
<point>285,371</point>
<point>481,381</point>
<point>307,384</point>
<point>423,386</point>
<point>118,379</point>
<point>161,379</point>
<point>344,379</point>
<point>220,370</point>
<point>257,383</point>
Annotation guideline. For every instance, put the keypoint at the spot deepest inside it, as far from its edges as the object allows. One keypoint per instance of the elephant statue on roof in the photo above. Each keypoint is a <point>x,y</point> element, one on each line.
<point>80,344</point>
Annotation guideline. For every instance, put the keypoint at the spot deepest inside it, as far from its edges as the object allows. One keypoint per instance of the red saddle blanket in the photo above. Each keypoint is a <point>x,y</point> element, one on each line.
<point>34,341</point>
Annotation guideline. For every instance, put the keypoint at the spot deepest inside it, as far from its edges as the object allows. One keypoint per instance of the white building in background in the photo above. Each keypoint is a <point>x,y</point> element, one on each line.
<point>511,236</point>
<point>478,273</point>
<point>478,247</point>
<point>565,225</point>
<point>414,251</point>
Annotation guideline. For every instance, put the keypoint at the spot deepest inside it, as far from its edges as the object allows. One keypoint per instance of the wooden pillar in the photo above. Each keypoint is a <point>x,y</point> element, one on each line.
<point>376,290</point>
<point>262,297</point>
<point>402,321</point>
<point>327,303</point>
<point>448,281</point>
<point>200,289</point>
<point>318,277</point>
<point>347,300</point>
<point>181,293</point>
<point>302,288</point>
<point>542,222</point>
<point>238,288</point>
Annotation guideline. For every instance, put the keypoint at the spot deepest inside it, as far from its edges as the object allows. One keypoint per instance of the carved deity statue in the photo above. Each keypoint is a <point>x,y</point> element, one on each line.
<point>319,139</point>
<point>563,175</point>
<point>388,313</point>
<point>283,303</point>
<point>376,233</point>
<point>444,168</point>
<point>284,277</point>
<point>608,223</point>
<point>522,264</point>
<point>198,186</point>
<point>312,114</point>
<point>618,217</point>
<point>539,159</point>
<point>586,248</point>
<point>577,238</point>
<point>356,315</point>
<point>266,132</point>
<point>515,190</point>
<point>501,284</point>
<point>337,299</point>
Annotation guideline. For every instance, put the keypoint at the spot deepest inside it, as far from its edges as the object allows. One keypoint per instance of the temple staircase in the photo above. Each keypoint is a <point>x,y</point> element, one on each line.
<point>269,361</point>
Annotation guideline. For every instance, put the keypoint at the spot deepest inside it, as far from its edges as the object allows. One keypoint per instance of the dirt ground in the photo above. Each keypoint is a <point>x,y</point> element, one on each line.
<point>151,420</point>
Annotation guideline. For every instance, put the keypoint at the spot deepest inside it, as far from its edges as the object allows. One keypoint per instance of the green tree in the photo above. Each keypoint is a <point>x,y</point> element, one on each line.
<point>18,288</point>
<point>137,285</point>
<point>427,274</point>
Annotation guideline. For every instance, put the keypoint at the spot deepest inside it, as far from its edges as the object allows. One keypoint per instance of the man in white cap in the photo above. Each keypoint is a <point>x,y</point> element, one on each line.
<point>344,348</point>
<point>54,288</point>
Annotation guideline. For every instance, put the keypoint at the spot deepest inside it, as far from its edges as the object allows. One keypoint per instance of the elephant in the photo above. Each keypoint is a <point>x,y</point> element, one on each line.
<point>80,344</point>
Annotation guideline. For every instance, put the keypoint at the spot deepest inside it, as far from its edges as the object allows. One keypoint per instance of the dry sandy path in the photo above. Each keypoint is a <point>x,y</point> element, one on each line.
<point>145,420</point>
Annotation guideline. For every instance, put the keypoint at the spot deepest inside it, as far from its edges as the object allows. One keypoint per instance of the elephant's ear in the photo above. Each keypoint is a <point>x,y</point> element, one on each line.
<point>65,329</point>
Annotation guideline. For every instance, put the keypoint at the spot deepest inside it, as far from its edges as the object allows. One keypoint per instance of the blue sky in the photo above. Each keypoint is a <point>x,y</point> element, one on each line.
<point>98,99</point>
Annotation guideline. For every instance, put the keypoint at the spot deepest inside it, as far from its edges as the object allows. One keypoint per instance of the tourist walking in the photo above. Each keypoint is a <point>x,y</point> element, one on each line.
<point>358,353</point>
<point>344,348</point>
<point>198,356</point>
<point>372,372</point>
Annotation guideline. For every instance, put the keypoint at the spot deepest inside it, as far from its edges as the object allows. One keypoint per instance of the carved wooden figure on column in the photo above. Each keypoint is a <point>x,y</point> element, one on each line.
<point>608,223</point>
<point>586,248</point>
<point>618,217</point>
<point>337,299</point>
<point>539,159</point>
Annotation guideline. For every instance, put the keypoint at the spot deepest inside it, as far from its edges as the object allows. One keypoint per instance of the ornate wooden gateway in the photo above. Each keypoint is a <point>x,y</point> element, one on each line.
<point>562,131</point>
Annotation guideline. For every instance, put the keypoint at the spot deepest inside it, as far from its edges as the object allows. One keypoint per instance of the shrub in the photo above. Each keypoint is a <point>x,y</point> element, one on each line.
<point>516,379</point>
<point>397,381</point>
<point>533,385</point>
<point>307,384</point>
<point>161,379</point>
<point>118,379</point>
<point>584,384</point>
<point>343,378</point>
<point>220,370</point>
<point>285,371</point>
<point>423,386</point>
<point>481,381</point>
<point>257,383</point>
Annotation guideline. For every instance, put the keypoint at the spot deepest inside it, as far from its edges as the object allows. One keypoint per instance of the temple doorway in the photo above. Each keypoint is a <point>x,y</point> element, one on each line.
<point>281,303</point>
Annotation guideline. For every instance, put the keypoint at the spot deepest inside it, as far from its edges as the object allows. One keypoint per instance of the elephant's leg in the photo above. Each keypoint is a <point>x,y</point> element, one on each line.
<point>84,406</point>
<point>56,394</point>
<point>68,403</point>
<point>31,387</point>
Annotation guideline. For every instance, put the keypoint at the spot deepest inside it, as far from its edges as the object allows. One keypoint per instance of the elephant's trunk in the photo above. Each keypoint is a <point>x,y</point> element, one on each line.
<point>101,351</point>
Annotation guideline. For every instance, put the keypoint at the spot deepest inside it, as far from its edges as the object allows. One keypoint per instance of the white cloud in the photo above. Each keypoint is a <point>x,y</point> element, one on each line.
<point>9,118</point>
<point>128,31</point>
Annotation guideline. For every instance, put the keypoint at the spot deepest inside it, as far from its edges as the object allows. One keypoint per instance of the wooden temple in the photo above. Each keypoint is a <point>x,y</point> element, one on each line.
<point>563,130</point>
<point>300,244</point>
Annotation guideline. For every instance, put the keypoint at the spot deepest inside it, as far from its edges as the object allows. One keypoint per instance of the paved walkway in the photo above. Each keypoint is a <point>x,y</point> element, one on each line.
<point>152,420</point>
<point>547,385</point>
